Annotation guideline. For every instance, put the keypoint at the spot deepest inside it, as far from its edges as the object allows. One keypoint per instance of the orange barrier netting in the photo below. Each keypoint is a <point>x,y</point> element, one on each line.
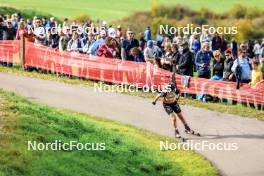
<point>118,71</point>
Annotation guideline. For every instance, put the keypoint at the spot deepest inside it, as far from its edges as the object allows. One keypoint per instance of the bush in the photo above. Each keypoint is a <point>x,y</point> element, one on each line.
<point>81,18</point>
<point>238,11</point>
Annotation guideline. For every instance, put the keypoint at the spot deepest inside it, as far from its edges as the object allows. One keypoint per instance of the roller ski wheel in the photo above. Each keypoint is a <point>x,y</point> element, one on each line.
<point>192,133</point>
<point>180,138</point>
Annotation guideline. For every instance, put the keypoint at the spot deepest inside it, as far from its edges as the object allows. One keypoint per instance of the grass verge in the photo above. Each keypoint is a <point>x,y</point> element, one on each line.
<point>129,151</point>
<point>230,109</point>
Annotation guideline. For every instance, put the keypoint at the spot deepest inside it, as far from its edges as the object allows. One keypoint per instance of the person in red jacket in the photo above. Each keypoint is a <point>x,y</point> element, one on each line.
<point>107,49</point>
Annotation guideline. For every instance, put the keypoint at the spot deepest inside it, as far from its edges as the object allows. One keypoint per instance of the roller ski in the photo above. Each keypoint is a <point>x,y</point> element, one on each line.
<point>179,137</point>
<point>191,132</point>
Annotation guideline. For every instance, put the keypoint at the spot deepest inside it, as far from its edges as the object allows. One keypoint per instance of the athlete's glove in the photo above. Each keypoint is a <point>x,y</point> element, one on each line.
<point>154,103</point>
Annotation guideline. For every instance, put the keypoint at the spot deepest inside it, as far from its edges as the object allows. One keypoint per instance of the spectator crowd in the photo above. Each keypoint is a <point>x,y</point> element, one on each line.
<point>210,55</point>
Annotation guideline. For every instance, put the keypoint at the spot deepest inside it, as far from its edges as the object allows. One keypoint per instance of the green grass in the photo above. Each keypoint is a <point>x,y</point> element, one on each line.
<point>129,151</point>
<point>116,9</point>
<point>230,109</point>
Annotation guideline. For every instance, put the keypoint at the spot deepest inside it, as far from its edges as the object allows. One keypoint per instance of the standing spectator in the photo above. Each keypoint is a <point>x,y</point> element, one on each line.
<point>88,42</point>
<point>39,31</point>
<point>52,38</point>
<point>262,49</point>
<point>142,42</point>
<point>107,49</point>
<point>256,51</point>
<point>195,46</point>
<point>167,57</point>
<point>256,78</point>
<point>9,32</point>
<point>234,48</point>
<point>93,48</point>
<point>147,34</point>
<point>21,29</point>
<point>175,56</point>
<point>150,53</point>
<point>185,65</point>
<point>256,75</point>
<point>262,67</point>
<point>228,75</point>
<point>75,45</point>
<point>250,48</point>
<point>127,44</point>
<point>159,40</point>
<point>206,38</point>
<point>119,32</point>
<point>14,20</point>
<point>243,63</point>
<point>243,74</point>
<point>202,61</point>
<point>216,42</point>
<point>137,55</point>
<point>218,66</point>
<point>65,22</point>
<point>63,41</point>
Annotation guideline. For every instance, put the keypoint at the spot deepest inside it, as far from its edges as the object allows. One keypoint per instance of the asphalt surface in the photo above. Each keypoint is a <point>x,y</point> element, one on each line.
<point>216,128</point>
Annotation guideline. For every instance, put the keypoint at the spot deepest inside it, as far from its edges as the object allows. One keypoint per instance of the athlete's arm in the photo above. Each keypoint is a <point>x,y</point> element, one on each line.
<point>156,99</point>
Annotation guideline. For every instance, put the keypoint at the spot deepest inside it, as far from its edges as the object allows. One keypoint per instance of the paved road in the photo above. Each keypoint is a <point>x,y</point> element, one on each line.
<point>215,127</point>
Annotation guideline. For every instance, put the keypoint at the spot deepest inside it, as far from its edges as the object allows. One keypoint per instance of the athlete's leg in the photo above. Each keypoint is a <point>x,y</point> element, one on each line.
<point>184,122</point>
<point>173,119</point>
<point>174,124</point>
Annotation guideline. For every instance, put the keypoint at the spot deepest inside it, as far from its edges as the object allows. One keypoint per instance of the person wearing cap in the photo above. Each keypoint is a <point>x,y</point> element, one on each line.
<point>150,53</point>
<point>127,44</point>
<point>119,32</point>
<point>202,61</point>
<point>185,64</point>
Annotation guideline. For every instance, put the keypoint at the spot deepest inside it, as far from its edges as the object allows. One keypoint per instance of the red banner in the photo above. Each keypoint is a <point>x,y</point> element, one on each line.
<point>118,71</point>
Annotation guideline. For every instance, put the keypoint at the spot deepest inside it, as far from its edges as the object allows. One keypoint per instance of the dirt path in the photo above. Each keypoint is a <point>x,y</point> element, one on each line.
<point>215,127</point>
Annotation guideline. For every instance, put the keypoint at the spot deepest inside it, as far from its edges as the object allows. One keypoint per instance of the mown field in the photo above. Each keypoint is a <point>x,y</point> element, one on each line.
<point>116,9</point>
<point>129,151</point>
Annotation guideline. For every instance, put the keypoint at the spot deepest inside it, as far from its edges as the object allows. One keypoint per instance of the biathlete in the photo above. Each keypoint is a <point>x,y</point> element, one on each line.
<point>170,103</point>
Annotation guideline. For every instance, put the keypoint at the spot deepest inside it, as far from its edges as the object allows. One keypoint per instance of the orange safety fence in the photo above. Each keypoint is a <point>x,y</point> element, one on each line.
<point>118,71</point>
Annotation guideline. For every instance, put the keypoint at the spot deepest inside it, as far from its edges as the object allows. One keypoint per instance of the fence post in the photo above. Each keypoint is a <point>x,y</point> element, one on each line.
<point>22,50</point>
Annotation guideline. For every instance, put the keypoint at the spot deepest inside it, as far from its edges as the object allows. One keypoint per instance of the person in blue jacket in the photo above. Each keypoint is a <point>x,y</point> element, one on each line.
<point>202,61</point>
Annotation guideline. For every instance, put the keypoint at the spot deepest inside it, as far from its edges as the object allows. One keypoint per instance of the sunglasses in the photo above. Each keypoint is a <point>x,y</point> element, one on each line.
<point>130,33</point>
